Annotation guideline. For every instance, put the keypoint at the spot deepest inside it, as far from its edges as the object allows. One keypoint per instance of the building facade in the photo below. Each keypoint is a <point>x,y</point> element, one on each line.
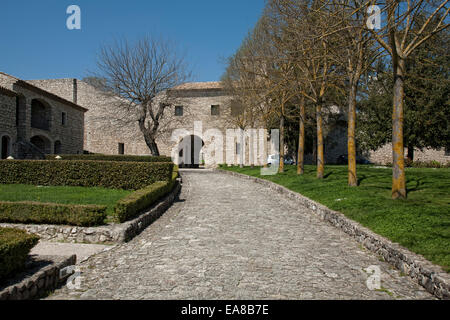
<point>35,122</point>
<point>196,128</point>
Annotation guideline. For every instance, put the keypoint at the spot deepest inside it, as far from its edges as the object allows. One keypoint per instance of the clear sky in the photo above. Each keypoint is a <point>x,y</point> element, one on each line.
<point>36,44</point>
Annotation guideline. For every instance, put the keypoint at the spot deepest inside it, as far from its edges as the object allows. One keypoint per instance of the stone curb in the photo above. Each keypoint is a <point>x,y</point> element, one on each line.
<point>110,234</point>
<point>432,277</point>
<point>37,285</point>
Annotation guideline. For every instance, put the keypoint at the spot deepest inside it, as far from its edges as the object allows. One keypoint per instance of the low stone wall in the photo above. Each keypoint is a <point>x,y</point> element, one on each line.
<point>44,280</point>
<point>110,234</point>
<point>431,277</point>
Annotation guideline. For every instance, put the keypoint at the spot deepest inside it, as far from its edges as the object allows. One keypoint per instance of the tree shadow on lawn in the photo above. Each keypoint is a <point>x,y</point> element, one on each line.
<point>418,185</point>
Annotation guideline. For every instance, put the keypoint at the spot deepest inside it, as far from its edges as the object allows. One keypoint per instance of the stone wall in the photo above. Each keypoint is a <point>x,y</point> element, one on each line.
<point>70,134</point>
<point>40,282</point>
<point>8,128</point>
<point>383,155</point>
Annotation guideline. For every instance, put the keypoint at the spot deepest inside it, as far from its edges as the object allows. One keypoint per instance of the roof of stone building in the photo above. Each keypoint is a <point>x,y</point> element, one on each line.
<point>29,86</point>
<point>211,85</point>
<point>7,92</point>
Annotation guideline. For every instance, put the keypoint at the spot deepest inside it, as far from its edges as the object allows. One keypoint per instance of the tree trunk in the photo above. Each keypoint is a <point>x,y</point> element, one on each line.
<point>351,143</point>
<point>281,165</point>
<point>301,138</point>
<point>148,137</point>
<point>241,148</point>
<point>398,165</point>
<point>320,155</point>
<point>153,148</point>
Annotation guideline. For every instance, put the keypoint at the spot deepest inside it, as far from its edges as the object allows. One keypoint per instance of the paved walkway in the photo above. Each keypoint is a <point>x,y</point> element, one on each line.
<point>230,238</point>
<point>82,251</point>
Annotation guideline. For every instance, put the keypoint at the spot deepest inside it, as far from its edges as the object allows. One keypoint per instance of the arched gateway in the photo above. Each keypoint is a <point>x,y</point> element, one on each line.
<point>189,152</point>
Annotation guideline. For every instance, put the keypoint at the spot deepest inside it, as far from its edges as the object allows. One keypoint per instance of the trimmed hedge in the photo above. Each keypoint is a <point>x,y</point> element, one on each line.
<point>107,174</point>
<point>15,245</point>
<point>106,157</point>
<point>130,206</point>
<point>52,213</point>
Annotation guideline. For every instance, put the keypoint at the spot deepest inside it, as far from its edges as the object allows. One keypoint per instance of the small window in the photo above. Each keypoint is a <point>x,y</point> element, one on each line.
<point>215,111</point>
<point>178,111</point>
<point>63,118</point>
<point>57,147</point>
<point>121,148</point>
<point>238,148</point>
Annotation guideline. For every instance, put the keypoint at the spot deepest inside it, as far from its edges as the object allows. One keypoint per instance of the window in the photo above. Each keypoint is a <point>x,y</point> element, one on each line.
<point>178,111</point>
<point>57,147</point>
<point>238,148</point>
<point>215,111</point>
<point>5,147</point>
<point>121,148</point>
<point>63,118</point>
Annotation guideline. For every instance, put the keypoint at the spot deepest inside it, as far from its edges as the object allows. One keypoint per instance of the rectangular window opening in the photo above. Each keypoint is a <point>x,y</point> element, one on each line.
<point>63,118</point>
<point>178,111</point>
<point>121,148</point>
<point>215,110</point>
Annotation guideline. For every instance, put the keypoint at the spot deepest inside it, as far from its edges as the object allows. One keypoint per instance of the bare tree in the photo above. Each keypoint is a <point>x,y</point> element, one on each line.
<point>355,54</point>
<point>409,24</point>
<point>142,74</point>
<point>306,29</point>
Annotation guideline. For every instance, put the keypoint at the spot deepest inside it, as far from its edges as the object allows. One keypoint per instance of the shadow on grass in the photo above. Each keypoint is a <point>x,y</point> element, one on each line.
<point>328,174</point>
<point>418,184</point>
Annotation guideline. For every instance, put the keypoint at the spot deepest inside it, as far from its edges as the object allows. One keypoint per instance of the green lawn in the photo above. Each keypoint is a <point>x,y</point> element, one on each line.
<point>421,223</point>
<point>64,195</point>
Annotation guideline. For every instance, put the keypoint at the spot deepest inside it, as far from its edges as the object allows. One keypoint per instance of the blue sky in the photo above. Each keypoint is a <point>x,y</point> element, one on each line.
<point>36,44</point>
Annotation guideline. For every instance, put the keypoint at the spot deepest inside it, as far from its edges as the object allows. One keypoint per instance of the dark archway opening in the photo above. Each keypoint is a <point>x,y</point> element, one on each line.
<point>189,152</point>
<point>57,147</point>
<point>5,147</point>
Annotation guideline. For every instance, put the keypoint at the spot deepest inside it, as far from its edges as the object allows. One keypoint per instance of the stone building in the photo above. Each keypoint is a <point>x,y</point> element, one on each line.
<point>8,128</point>
<point>35,122</point>
<point>198,119</point>
<point>200,113</point>
<point>109,128</point>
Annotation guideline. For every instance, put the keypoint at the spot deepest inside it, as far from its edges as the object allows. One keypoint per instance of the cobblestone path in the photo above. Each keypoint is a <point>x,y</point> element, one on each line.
<point>229,238</point>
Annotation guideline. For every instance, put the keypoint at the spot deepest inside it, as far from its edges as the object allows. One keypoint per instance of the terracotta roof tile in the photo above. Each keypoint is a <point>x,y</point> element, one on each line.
<point>212,85</point>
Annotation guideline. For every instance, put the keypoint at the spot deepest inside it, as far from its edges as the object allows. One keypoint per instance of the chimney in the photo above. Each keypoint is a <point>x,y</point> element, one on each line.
<point>75,91</point>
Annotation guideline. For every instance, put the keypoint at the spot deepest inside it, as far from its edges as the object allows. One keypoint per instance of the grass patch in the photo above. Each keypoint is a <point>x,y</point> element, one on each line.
<point>63,195</point>
<point>421,223</point>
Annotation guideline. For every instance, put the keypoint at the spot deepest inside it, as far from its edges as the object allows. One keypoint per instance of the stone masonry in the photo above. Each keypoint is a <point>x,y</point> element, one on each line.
<point>8,129</point>
<point>36,116</point>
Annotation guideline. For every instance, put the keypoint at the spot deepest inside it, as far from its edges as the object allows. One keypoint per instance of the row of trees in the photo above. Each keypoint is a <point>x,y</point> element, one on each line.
<point>305,56</point>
